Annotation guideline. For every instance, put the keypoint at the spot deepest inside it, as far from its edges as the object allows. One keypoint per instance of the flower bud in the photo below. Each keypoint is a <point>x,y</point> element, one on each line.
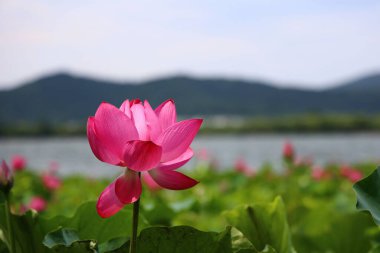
<point>18,162</point>
<point>37,203</point>
<point>288,152</point>
<point>6,178</point>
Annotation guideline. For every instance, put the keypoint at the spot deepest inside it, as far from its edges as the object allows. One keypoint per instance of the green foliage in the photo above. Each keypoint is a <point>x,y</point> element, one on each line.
<point>312,215</point>
<point>67,240</point>
<point>80,231</point>
<point>263,225</point>
<point>27,230</point>
<point>368,194</point>
<point>311,236</point>
<point>90,226</point>
<point>183,239</point>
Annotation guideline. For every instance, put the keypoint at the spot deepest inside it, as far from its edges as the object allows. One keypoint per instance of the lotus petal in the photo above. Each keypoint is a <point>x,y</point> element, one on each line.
<point>176,139</point>
<point>172,180</point>
<point>142,155</point>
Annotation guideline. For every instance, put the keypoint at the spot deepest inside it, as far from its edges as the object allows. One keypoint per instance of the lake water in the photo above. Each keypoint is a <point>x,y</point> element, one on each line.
<point>74,154</point>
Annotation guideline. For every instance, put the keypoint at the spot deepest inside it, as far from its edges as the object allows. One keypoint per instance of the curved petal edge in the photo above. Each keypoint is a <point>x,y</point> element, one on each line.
<point>172,180</point>
<point>178,162</point>
<point>176,139</point>
<point>108,203</point>
<point>98,148</point>
<point>128,187</point>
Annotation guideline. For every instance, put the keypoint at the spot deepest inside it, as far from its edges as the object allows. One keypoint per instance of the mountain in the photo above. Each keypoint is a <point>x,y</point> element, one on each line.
<point>63,97</point>
<point>367,84</point>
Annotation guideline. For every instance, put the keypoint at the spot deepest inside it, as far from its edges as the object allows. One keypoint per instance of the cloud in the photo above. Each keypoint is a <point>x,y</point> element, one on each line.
<point>315,42</point>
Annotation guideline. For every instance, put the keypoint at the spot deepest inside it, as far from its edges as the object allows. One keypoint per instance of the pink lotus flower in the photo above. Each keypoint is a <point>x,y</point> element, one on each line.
<point>242,167</point>
<point>6,177</point>
<point>351,174</point>
<point>288,151</point>
<point>38,204</point>
<point>142,140</point>
<point>50,180</point>
<point>319,173</point>
<point>18,162</point>
<point>355,176</point>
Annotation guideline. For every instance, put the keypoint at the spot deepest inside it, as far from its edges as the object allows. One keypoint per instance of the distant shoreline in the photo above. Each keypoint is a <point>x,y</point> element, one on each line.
<point>296,124</point>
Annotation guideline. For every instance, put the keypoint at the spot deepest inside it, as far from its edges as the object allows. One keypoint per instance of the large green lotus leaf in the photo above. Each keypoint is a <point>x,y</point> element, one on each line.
<point>325,229</point>
<point>90,226</point>
<point>263,224</point>
<point>65,237</point>
<point>116,245</point>
<point>67,240</point>
<point>353,229</point>
<point>27,230</point>
<point>183,239</point>
<point>368,194</point>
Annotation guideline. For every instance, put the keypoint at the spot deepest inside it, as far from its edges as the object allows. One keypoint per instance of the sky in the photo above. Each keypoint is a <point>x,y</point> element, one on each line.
<point>308,43</point>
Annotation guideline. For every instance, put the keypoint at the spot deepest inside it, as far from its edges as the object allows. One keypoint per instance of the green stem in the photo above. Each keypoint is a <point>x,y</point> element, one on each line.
<point>11,243</point>
<point>135,224</point>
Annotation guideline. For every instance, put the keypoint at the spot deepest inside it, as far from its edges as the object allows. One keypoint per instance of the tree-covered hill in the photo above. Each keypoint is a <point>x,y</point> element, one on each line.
<point>63,97</point>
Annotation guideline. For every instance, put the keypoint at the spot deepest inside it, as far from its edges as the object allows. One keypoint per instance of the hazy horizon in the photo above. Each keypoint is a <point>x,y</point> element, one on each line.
<point>308,44</point>
<point>138,81</point>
